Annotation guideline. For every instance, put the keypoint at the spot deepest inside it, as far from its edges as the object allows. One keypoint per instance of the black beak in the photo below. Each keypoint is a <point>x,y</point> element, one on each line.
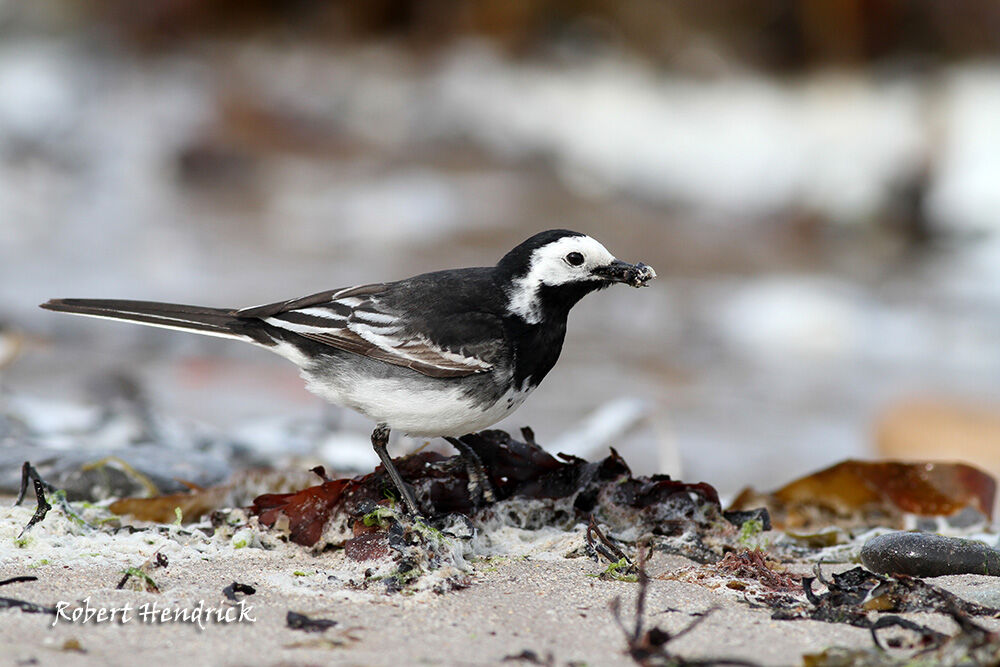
<point>636,275</point>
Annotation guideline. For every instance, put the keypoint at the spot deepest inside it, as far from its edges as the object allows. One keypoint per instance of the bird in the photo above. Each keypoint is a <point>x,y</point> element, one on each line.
<point>440,354</point>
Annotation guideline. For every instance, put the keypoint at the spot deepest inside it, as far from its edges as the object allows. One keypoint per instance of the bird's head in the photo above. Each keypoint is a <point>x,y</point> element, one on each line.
<point>554,269</point>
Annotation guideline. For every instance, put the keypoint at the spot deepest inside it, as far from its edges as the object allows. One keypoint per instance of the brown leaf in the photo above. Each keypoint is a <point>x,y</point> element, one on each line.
<point>860,493</point>
<point>307,510</point>
<point>161,509</point>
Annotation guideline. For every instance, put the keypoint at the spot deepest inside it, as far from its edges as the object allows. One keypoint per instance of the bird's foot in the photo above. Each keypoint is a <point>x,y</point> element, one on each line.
<point>380,442</point>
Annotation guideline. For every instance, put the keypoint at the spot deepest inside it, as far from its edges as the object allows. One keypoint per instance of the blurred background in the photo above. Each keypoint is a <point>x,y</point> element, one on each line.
<point>817,184</point>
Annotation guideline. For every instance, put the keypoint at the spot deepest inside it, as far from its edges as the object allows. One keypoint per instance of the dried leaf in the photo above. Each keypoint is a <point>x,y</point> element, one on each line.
<point>162,509</point>
<point>863,493</point>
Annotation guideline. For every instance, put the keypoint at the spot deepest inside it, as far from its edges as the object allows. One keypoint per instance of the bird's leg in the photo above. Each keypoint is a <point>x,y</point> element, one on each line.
<point>380,440</point>
<point>479,481</point>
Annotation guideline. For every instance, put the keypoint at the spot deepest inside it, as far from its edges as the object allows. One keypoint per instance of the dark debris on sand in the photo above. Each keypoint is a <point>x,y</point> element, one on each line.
<point>852,595</point>
<point>532,489</point>
<point>973,645</point>
<point>23,605</point>
<point>297,621</point>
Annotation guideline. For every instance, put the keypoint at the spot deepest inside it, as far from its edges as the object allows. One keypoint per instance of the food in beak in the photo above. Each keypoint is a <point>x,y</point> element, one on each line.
<point>636,275</point>
<point>640,275</point>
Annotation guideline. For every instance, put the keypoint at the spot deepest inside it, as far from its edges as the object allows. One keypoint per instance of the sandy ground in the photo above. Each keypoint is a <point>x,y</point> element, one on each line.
<point>541,606</point>
<point>537,600</point>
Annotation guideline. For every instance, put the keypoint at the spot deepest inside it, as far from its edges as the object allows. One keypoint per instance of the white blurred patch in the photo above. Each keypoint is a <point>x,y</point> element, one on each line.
<point>348,451</point>
<point>319,208</point>
<point>740,145</point>
<point>791,319</point>
<point>45,417</point>
<point>633,427</point>
<point>966,189</point>
<point>36,92</point>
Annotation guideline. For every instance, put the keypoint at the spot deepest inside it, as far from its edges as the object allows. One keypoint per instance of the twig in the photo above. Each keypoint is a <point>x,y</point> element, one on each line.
<point>23,605</point>
<point>43,506</point>
<point>28,472</point>
<point>649,648</point>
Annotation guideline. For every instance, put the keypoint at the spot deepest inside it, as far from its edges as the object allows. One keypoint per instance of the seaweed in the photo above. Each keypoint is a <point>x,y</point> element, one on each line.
<point>599,545</point>
<point>754,565</point>
<point>971,645</point>
<point>853,594</point>
<point>142,574</point>
<point>42,506</point>
<point>568,489</point>
<point>233,590</point>
<point>297,621</point>
<point>23,605</point>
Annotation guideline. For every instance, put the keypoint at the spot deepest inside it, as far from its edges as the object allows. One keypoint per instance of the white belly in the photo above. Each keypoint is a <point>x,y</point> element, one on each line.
<point>418,411</point>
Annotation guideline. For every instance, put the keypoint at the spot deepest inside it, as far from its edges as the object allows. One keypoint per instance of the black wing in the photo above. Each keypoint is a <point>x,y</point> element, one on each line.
<point>363,320</point>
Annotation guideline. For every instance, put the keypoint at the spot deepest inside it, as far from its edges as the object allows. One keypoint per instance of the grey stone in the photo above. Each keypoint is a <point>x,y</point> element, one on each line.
<point>928,555</point>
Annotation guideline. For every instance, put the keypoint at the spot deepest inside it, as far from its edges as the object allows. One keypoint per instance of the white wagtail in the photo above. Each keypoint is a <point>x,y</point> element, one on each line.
<point>441,354</point>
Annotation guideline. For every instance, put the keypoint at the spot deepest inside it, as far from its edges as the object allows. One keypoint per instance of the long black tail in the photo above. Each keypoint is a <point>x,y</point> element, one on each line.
<point>198,319</point>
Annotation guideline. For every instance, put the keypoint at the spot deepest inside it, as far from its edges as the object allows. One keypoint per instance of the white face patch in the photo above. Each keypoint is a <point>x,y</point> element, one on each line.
<point>549,266</point>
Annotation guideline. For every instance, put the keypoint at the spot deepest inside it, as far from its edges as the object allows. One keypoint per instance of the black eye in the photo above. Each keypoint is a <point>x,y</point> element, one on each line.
<point>575,258</point>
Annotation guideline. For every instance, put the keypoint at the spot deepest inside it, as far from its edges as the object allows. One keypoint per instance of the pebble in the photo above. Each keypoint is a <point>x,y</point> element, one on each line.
<point>928,555</point>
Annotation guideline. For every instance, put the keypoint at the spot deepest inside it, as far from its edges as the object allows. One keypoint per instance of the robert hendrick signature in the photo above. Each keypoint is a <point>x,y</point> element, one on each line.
<point>154,613</point>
